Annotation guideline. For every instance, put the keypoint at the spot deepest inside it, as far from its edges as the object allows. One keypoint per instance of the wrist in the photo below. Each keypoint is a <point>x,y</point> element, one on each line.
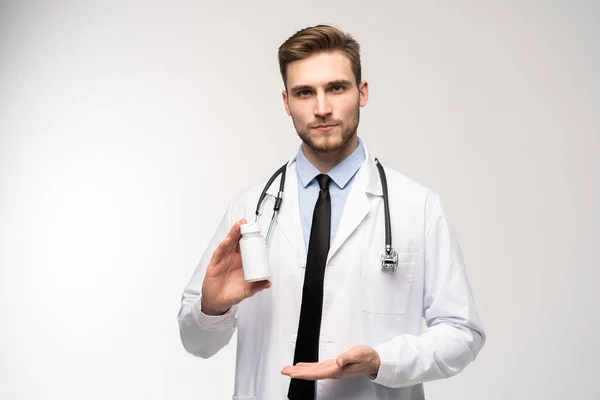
<point>376,364</point>
<point>211,310</point>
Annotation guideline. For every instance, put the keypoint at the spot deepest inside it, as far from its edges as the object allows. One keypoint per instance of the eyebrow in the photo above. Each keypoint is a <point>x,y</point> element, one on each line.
<point>339,82</point>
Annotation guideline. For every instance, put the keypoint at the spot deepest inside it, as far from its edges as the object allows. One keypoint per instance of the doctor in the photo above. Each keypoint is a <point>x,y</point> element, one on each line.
<point>331,323</point>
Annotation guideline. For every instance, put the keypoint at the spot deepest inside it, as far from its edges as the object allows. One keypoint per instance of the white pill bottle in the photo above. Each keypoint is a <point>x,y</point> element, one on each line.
<point>253,248</point>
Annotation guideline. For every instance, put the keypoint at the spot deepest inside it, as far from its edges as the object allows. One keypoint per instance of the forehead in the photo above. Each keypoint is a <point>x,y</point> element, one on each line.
<point>320,69</point>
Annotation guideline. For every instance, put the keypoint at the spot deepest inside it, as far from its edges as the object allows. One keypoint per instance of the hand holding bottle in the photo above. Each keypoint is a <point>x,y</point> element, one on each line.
<point>224,284</point>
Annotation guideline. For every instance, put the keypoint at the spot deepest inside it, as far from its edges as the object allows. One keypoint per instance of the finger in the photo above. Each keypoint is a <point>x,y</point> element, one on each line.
<point>350,357</point>
<point>234,236</point>
<point>312,371</point>
<point>256,287</point>
<point>237,235</point>
<point>264,284</point>
<point>220,251</point>
<point>316,374</point>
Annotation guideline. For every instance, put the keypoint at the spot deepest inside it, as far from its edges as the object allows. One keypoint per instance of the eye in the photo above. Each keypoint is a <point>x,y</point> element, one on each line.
<point>303,93</point>
<point>337,88</point>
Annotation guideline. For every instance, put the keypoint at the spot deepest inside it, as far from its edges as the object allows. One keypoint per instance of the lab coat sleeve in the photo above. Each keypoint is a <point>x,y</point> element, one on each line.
<point>454,334</point>
<point>203,335</point>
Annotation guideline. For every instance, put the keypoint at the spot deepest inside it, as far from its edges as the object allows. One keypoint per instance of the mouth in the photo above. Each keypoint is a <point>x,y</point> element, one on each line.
<point>324,127</point>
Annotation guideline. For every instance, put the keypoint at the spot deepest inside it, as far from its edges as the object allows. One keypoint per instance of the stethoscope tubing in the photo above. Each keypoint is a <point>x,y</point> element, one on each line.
<point>389,259</point>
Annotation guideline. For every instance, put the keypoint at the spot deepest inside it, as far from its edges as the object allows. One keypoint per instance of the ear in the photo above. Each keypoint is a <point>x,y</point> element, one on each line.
<point>285,102</point>
<point>363,90</point>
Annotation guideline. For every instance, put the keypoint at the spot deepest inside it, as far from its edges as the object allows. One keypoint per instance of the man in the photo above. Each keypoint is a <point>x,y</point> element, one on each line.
<point>331,323</point>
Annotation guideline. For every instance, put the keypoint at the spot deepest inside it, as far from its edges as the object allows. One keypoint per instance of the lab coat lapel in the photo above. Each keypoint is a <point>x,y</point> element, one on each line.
<point>288,220</point>
<point>357,203</point>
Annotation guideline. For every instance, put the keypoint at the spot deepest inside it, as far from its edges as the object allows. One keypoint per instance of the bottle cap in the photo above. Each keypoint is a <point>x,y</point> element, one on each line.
<point>250,228</point>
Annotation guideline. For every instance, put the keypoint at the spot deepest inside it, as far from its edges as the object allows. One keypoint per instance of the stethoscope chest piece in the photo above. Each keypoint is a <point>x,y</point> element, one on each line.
<point>389,260</point>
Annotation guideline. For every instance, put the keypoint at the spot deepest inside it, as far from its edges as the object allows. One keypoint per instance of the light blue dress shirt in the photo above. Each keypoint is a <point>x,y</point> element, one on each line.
<point>341,180</point>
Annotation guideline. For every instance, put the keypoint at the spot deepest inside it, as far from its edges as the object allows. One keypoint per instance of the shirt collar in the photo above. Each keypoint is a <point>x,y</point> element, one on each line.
<point>340,174</point>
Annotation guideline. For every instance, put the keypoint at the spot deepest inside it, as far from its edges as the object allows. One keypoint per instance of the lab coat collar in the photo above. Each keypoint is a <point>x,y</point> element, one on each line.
<point>357,205</point>
<point>288,221</point>
<point>373,179</point>
<point>366,181</point>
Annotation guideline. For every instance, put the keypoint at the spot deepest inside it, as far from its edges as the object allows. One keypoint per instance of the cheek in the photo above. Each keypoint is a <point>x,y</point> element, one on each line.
<point>346,106</point>
<point>347,112</point>
<point>300,113</point>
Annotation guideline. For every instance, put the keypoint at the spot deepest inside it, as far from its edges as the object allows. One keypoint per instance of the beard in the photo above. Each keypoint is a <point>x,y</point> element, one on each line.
<point>332,145</point>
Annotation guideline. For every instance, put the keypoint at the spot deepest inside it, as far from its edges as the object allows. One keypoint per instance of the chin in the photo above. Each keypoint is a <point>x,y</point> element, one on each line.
<point>325,143</point>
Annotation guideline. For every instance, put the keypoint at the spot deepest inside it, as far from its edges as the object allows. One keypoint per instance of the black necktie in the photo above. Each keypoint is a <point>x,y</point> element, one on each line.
<point>309,326</point>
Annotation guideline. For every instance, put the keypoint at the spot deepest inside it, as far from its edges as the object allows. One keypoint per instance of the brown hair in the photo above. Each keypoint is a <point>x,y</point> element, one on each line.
<point>319,39</point>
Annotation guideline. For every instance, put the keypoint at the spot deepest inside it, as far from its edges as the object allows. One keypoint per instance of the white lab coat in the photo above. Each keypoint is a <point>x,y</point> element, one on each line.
<point>362,304</point>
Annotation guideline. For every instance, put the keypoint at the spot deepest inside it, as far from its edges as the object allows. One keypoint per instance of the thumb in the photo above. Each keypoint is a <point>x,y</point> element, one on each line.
<point>346,358</point>
<point>258,286</point>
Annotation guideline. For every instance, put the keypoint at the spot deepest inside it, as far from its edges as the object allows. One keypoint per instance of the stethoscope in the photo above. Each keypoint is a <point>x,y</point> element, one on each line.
<point>389,258</point>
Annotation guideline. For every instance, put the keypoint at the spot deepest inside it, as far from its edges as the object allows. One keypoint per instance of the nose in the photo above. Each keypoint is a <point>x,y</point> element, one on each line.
<point>322,107</point>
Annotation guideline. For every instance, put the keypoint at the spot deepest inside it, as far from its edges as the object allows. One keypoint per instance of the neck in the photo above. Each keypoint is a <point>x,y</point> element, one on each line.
<point>325,162</point>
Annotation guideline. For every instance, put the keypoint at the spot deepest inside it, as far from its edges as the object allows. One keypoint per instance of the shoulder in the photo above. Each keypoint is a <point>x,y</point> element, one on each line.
<point>247,198</point>
<point>408,189</point>
<point>249,195</point>
<point>417,201</point>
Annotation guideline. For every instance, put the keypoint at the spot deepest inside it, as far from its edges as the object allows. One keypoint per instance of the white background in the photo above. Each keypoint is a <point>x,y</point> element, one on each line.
<point>126,128</point>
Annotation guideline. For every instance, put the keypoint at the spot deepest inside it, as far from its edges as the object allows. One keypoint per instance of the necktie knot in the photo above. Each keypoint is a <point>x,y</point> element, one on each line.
<point>323,181</point>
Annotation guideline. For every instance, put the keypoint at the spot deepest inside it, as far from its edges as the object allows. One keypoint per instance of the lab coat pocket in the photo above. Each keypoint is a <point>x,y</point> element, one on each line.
<point>243,398</point>
<point>386,291</point>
